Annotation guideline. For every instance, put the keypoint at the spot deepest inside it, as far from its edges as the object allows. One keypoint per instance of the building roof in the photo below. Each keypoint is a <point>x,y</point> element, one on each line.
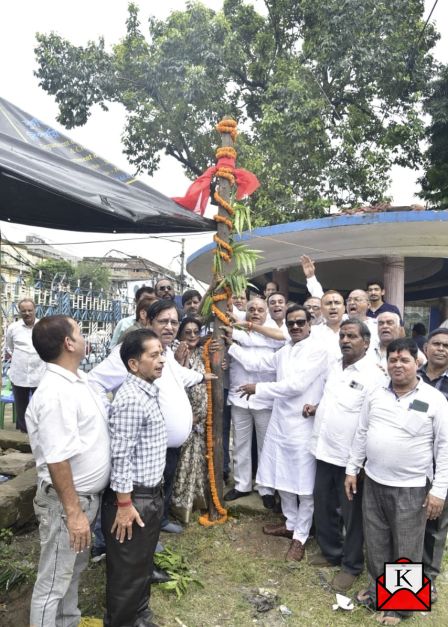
<point>349,249</point>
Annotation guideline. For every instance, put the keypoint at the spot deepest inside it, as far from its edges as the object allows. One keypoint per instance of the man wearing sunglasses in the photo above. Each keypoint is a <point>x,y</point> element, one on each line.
<point>286,464</point>
<point>164,289</point>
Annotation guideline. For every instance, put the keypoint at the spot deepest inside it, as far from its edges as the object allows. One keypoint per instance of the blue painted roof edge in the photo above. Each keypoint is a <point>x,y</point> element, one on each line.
<point>334,221</point>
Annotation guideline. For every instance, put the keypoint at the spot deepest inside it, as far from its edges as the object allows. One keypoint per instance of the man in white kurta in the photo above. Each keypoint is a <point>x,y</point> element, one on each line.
<point>250,413</point>
<point>286,464</point>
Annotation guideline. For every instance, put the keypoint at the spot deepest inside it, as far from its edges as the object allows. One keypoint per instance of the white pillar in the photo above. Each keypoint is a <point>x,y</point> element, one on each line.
<point>394,281</point>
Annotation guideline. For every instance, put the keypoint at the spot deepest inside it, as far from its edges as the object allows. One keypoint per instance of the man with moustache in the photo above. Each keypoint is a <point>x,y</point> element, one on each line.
<point>249,413</point>
<point>274,327</point>
<point>67,427</point>
<point>297,375</point>
<point>333,311</point>
<point>435,373</point>
<point>313,305</point>
<point>402,428</point>
<point>132,505</point>
<point>164,289</point>
<point>352,376</point>
<point>375,290</point>
<point>357,304</point>
<point>163,319</point>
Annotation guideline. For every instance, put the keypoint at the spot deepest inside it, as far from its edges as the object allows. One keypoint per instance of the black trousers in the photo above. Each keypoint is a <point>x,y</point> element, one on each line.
<point>172,457</point>
<point>330,504</point>
<point>21,400</point>
<point>129,565</point>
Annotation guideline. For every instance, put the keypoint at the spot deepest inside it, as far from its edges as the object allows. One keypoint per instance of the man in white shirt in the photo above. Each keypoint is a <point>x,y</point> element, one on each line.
<point>333,312</point>
<point>274,327</point>
<point>337,415</point>
<point>389,329</point>
<point>27,369</point>
<point>286,464</point>
<point>67,426</point>
<point>402,428</point>
<point>357,304</point>
<point>250,413</point>
<point>435,373</point>
<point>163,319</point>
<point>313,305</point>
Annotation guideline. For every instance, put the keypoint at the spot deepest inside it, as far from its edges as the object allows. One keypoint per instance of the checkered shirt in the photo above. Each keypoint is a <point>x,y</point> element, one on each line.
<point>138,436</point>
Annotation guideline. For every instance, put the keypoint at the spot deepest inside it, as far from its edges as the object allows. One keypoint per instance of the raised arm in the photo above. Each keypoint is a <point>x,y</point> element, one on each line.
<point>312,284</point>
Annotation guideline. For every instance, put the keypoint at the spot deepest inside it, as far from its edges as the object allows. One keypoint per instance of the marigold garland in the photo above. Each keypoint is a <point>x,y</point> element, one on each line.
<point>205,519</point>
<point>226,152</point>
<point>224,250</point>
<point>228,126</point>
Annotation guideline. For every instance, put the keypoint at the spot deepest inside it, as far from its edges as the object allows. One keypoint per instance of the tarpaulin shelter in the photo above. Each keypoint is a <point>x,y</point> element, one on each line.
<point>48,180</point>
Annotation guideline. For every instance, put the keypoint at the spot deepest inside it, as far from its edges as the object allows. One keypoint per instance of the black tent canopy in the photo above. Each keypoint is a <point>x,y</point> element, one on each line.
<point>48,180</point>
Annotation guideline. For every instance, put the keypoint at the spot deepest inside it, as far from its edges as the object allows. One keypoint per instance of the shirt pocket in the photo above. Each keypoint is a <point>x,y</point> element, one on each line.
<point>414,421</point>
<point>350,398</point>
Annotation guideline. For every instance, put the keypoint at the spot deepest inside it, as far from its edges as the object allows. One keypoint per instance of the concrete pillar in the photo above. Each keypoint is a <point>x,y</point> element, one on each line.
<point>282,278</point>
<point>394,281</point>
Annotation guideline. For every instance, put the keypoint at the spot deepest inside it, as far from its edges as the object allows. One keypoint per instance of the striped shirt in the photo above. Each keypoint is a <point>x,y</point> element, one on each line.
<point>138,436</point>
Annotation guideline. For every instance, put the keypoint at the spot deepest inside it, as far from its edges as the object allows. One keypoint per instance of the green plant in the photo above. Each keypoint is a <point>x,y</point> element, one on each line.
<point>6,536</point>
<point>12,571</point>
<point>176,566</point>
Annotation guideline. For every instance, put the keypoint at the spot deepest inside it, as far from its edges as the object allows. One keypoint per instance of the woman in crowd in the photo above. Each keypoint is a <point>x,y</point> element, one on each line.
<point>190,486</point>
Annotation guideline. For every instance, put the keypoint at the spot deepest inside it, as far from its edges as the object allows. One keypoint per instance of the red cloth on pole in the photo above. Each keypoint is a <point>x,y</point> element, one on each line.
<point>198,193</point>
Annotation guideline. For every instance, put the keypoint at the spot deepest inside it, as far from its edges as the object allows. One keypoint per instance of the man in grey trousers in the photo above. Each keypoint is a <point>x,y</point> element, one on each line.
<point>402,428</point>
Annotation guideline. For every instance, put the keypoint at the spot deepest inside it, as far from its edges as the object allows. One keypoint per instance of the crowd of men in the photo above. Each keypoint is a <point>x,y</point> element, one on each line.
<point>351,424</point>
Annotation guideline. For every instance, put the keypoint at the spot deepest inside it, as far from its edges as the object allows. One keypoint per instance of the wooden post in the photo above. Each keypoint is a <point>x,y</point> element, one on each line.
<point>216,358</point>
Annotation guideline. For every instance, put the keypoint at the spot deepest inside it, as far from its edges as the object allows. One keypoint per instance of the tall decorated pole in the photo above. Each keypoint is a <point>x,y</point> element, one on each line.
<point>231,263</point>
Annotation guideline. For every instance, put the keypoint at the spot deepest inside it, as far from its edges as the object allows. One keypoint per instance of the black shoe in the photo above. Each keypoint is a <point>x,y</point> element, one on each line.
<point>268,501</point>
<point>434,594</point>
<point>234,494</point>
<point>277,509</point>
<point>159,576</point>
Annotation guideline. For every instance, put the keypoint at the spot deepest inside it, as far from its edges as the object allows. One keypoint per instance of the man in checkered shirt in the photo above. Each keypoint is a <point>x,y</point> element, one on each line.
<point>133,504</point>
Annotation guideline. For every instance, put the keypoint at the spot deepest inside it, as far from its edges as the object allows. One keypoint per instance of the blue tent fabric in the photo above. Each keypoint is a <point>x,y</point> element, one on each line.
<point>47,179</point>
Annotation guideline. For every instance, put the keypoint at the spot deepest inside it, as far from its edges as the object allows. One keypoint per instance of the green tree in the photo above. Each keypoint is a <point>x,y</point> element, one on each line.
<point>90,273</point>
<point>50,269</point>
<point>435,181</point>
<point>327,93</point>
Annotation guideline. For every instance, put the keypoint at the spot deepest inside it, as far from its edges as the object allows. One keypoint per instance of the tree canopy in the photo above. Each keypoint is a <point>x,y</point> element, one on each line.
<point>435,182</point>
<point>328,93</point>
<point>87,273</point>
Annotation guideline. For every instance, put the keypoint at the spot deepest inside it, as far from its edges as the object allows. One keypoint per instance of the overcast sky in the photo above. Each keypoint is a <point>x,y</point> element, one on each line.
<point>87,20</point>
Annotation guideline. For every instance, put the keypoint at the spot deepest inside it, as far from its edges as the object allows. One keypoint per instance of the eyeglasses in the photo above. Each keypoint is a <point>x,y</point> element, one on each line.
<point>166,321</point>
<point>191,332</point>
<point>296,323</point>
<point>165,288</point>
<point>313,307</point>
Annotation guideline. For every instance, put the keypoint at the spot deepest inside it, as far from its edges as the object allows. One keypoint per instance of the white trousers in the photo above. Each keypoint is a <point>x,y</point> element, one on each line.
<point>243,421</point>
<point>299,518</point>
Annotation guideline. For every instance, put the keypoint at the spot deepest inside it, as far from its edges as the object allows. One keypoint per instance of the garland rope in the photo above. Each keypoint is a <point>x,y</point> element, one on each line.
<point>224,250</point>
<point>205,518</point>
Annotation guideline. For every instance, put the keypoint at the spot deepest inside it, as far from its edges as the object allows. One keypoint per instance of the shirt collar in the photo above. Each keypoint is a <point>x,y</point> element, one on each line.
<point>67,374</point>
<point>146,386</point>
<point>416,389</point>
<point>423,372</point>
